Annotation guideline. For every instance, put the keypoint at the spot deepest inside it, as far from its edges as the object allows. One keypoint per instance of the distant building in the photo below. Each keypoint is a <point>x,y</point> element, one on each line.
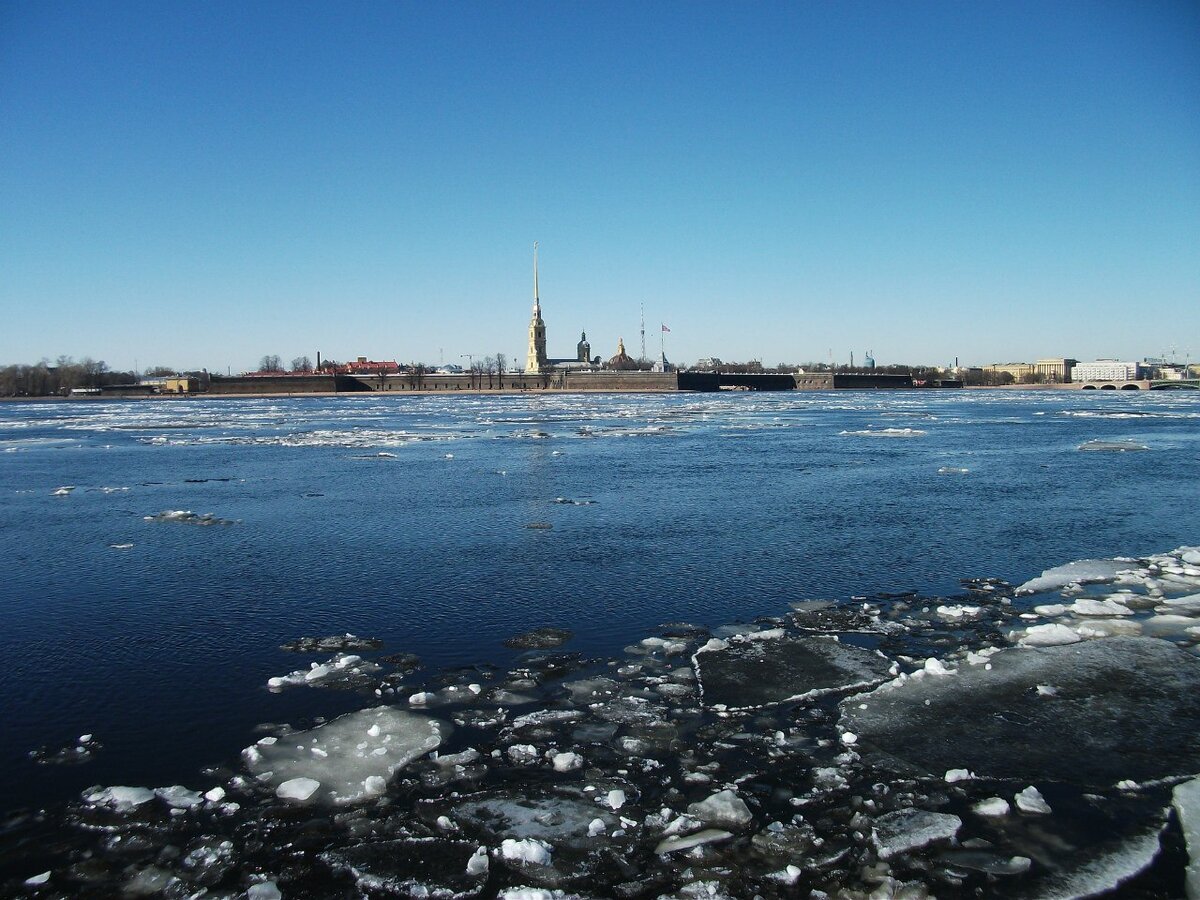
<point>536,360</point>
<point>1019,371</point>
<point>1106,370</point>
<point>364,366</point>
<point>1055,371</point>
<point>622,362</point>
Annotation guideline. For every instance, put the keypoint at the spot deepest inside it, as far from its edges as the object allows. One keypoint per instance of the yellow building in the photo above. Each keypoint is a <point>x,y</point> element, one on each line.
<point>1019,371</point>
<point>181,385</point>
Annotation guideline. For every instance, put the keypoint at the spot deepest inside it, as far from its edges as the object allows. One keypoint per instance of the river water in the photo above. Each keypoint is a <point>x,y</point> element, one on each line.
<point>444,525</point>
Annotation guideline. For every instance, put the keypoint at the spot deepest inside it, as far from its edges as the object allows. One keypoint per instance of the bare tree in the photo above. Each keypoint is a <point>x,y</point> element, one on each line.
<point>501,362</point>
<point>302,364</point>
<point>270,363</point>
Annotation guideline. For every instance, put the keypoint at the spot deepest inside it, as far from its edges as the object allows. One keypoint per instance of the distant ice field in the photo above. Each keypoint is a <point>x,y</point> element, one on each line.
<point>156,554</point>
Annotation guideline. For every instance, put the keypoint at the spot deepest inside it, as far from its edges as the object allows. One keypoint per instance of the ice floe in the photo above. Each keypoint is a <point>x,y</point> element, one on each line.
<point>756,670</point>
<point>187,517</point>
<point>1125,707</point>
<point>350,758</point>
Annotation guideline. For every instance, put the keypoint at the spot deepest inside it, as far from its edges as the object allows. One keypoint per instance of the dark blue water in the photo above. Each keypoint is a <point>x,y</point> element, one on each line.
<point>711,509</point>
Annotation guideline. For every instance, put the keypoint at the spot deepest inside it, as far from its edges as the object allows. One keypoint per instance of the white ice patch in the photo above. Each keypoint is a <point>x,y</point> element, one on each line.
<point>992,807</point>
<point>1087,606</point>
<point>724,809</point>
<point>1052,635</point>
<point>1032,802</point>
<point>298,789</point>
<point>1084,571</point>
<point>911,829</point>
<point>344,755</point>
<point>884,433</point>
<point>957,613</point>
<point>529,851</point>
<point>119,798</point>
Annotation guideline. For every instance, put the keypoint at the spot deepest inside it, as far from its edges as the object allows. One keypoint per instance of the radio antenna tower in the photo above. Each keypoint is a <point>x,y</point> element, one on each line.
<point>643,356</point>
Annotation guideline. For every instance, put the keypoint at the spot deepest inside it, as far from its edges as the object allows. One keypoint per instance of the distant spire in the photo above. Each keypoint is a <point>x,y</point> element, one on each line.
<point>537,304</point>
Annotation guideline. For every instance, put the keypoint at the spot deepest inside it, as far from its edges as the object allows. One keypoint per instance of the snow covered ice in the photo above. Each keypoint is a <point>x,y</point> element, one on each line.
<point>350,758</point>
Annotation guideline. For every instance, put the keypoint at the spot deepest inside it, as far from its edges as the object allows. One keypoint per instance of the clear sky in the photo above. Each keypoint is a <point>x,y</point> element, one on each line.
<point>202,183</point>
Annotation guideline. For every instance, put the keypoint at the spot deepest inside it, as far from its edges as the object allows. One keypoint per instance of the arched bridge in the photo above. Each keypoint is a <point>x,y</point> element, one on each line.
<point>1145,385</point>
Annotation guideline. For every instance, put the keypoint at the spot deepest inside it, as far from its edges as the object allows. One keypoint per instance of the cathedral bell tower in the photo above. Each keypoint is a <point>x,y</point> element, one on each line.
<point>535,359</point>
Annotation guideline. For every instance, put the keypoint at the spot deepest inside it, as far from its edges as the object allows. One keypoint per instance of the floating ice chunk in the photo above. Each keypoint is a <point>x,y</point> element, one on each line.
<point>297,789</point>
<point>615,799</point>
<point>338,643</point>
<point>1052,635</point>
<point>216,795</point>
<point>523,754</point>
<point>1052,609</point>
<point>566,762</point>
<point>187,517</point>
<point>528,851</point>
<point>992,807</point>
<point>724,809</point>
<point>179,797</point>
<point>37,880</point>
<point>1031,801</point>
<point>63,491</point>
<point>952,470</point>
<point>344,670</point>
<point>936,667</point>
<point>350,754</point>
<point>955,613</point>
<point>953,775</point>
<point>421,698</point>
<point>1186,800</point>
<point>478,863</point>
<point>264,890</point>
<point>596,827</point>
<point>911,829</point>
<point>119,798</point>
<point>1087,606</point>
<point>1112,446</point>
<point>1084,571</point>
<point>849,738</point>
<point>120,546</point>
<point>1190,555</point>
<point>675,843</point>
<point>884,432</point>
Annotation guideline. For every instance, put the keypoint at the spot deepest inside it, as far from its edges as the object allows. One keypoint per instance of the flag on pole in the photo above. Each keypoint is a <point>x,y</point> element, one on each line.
<point>666,329</point>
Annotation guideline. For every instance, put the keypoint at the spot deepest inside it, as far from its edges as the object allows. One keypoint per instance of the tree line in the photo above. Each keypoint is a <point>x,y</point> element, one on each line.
<point>48,379</point>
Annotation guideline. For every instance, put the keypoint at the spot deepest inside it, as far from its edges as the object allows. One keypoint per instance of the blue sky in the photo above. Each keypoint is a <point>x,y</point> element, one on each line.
<point>199,184</point>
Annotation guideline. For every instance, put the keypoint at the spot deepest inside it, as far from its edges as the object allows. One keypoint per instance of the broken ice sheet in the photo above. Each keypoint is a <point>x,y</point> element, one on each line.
<point>1124,708</point>
<point>766,668</point>
<point>1083,571</point>
<point>352,757</point>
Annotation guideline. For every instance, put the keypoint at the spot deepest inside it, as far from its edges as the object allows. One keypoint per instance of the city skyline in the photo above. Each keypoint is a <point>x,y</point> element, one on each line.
<point>202,185</point>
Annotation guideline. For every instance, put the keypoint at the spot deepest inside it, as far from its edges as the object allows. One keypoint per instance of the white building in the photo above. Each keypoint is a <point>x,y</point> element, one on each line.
<point>1106,370</point>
